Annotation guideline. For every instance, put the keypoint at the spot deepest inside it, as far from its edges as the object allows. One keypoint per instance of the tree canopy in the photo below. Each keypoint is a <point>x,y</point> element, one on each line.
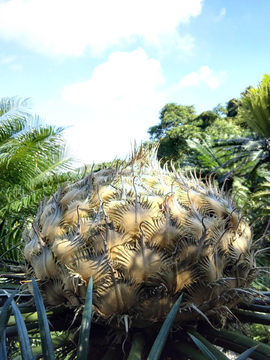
<point>231,141</point>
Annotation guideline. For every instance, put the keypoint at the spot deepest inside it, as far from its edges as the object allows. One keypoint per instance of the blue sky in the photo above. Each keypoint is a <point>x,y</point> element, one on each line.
<point>106,68</point>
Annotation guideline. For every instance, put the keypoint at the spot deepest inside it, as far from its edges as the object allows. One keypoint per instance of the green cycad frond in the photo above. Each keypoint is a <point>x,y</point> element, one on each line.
<point>206,156</point>
<point>262,197</point>
<point>255,107</point>
<point>27,147</point>
<point>31,154</point>
<point>14,114</point>
<point>36,151</point>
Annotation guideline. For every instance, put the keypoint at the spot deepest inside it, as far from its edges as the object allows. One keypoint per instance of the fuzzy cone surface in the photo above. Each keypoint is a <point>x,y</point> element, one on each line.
<point>146,235</point>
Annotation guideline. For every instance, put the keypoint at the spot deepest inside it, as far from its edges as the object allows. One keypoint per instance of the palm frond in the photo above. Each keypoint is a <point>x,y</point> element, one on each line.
<point>255,107</point>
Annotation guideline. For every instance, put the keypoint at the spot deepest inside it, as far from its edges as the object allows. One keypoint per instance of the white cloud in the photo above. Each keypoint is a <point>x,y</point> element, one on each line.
<point>221,15</point>
<point>5,60</point>
<point>121,99</point>
<point>203,76</point>
<point>10,62</point>
<point>125,79</point>
<point>68,27</point>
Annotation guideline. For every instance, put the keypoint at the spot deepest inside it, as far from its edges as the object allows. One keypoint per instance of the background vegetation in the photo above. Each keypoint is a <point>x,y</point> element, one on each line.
<point>231,141</point>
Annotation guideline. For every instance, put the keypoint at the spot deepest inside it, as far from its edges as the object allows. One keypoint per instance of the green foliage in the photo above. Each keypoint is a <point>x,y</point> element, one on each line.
<point>171,116</point>
<point>31,332</point>
<point>211,352</point>
<point>231,141</point>
<point>46,341</point>
<point>177,123</point>
<point>24,341</point>
<point>205,349</point>
<point>225,128</point>
<point>259,332</point>
<point>255,107</point>
<point>32,157</point>
<point>164,332</point>
<point>232,108</point>
<point>84,337</point>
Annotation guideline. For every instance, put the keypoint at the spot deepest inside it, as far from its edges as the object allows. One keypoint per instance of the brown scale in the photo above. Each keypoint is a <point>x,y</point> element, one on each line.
<point>44,264</point>
<point>174,276</point>
<point>129,216</point>
<point>157,308</point>
<point>85,265</point>
<point>117,298</point>
<point>138,264</point>
<point>104,239</point>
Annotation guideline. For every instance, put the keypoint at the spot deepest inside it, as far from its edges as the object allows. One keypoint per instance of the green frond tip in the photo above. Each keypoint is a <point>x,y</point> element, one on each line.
<point>24,341</point>
<point>84,336</point>
<point>164,331</point>
<point>207,353</point>
<point>4,316</point>
<point>255,110</point>
<point>246,354</point>
<point>205,346</point>
<point>45,336</point>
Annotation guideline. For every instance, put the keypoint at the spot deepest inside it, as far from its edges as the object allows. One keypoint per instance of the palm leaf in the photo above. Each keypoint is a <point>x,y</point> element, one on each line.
<point>164,332</point>
<point>84,336</point>
<point>45,336</point>
<point>23,335</point>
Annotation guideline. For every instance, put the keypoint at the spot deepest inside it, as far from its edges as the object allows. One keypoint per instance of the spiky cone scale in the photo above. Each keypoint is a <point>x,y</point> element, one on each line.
<point>146,235</point>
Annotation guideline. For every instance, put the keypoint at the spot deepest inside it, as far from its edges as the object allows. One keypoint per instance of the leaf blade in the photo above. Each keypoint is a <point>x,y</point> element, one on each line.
<point>4,316</point>
<point>245,354</point>
<point>164,332</point>
<point>84,335</point>
<point>45,336</point>
<point>24,341</point>
<point>206,352</point>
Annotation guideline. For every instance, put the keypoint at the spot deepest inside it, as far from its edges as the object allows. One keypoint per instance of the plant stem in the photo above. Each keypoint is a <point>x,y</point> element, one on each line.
<point>136,347</point>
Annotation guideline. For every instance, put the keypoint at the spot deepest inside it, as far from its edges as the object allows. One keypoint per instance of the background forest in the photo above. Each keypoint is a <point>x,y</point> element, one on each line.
<point>228,143</point>
<point>231,142</point>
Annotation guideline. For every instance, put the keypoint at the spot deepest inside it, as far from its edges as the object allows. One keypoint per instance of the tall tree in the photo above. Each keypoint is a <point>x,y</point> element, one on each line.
<point>177,124</point>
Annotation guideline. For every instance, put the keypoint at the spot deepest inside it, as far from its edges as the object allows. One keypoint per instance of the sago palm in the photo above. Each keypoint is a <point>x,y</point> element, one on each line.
<point>252,152</point>
<point>30,152</point>
<point>147,237</point>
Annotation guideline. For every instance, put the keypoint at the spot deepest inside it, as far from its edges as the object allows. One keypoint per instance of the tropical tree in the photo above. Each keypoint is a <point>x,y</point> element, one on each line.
<point>31,153</point>
<point>177,123</point>
<point>255,107</point>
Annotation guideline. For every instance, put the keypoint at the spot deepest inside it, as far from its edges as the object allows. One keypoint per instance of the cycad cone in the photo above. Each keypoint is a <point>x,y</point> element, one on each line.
<point>146,235</point>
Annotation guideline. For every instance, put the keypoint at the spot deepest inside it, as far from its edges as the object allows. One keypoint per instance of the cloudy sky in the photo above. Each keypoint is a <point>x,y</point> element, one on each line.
<point>106,68</point>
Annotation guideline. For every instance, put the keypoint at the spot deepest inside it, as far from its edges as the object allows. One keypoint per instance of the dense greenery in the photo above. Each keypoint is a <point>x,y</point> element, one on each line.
<point>230,141</point>
<point>31,155</point>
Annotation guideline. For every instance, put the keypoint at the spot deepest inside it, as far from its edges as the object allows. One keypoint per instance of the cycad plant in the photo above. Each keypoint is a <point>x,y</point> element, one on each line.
<point>255,107</point>
<point>210,160</point>
<point>251,153</point>
<point>161,248</point>
<point>31,152</point>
